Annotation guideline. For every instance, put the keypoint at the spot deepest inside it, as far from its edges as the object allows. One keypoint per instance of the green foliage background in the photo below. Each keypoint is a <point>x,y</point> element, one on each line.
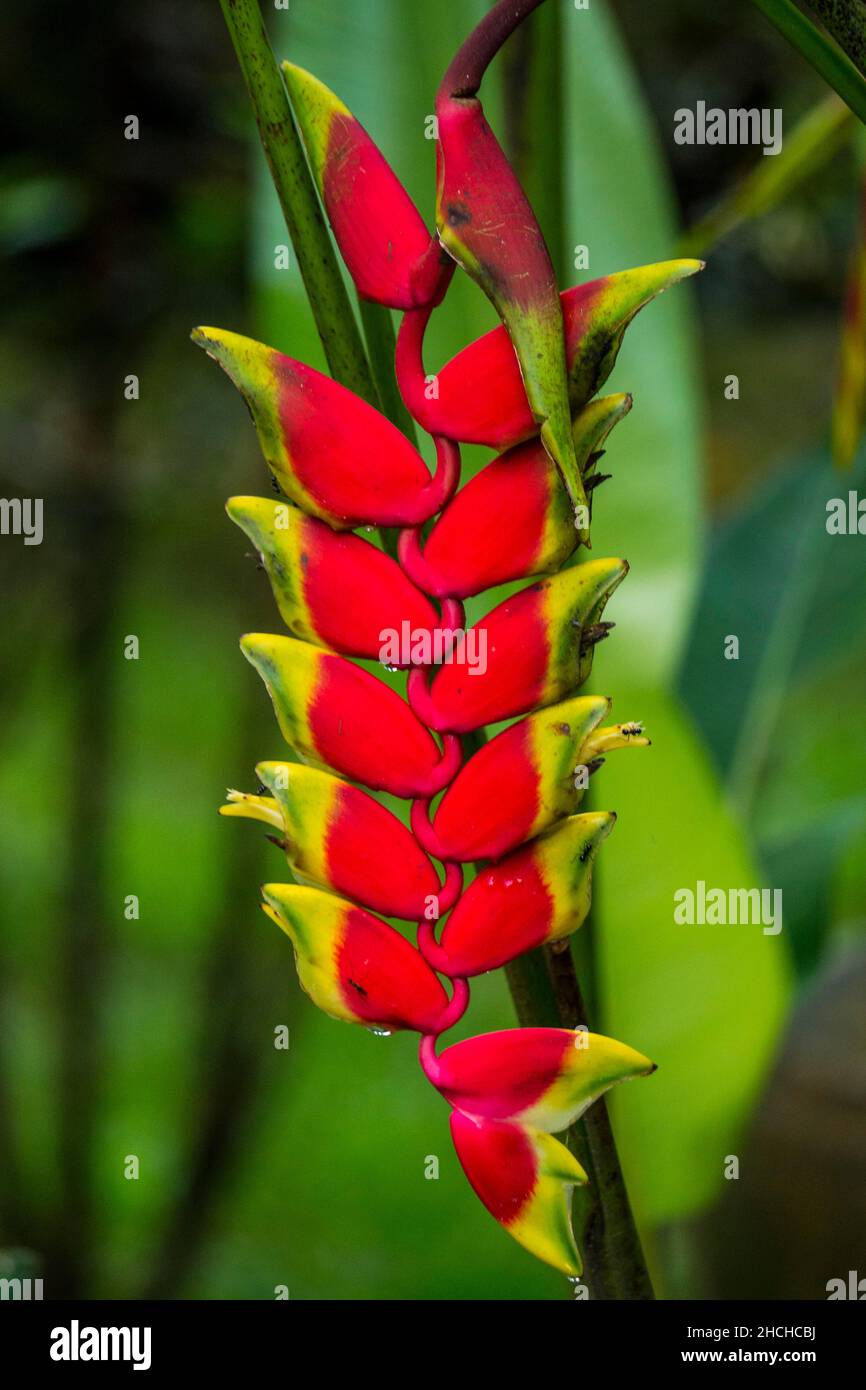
<point>154,1037</point>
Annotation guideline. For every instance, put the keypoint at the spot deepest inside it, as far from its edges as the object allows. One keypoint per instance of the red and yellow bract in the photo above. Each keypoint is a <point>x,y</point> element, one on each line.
<point>525,389</point>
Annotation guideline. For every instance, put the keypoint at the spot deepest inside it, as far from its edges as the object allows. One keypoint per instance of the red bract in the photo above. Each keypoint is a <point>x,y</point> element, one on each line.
<point>537,894</point>
<point>512,520</point>
<point>338,715</point>
<point>333,454</point>
<point>522,781</point>
<point>357,968</point>
<point>524,1178</point>
<point>480,397</point>
<point>529,651</point>
<point>545,1077</point>
<point>336,590</point>
<point>382,238</point>
<point>339,836</point>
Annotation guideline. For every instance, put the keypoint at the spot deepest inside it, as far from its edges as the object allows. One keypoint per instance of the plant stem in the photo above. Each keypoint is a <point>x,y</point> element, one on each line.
<point>606,1230</point>
<point>381,342</point>
<point>819,51</point>
<point>329,301</point>
<point>846,21</point>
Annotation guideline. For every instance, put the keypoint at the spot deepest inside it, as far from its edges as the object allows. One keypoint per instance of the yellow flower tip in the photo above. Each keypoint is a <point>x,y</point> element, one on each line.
<point>241,507</point>
<point>210,339</point>
<point>255,645</point>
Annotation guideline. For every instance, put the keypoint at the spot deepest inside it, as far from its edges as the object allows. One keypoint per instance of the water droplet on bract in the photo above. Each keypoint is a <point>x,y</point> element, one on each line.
<point>369,530</point>
<point>388,667</point>
<point>380,1032</point>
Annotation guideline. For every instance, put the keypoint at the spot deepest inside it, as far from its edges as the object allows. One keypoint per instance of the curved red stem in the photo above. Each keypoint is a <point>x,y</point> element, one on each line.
<point>455,1008</point>
<point>418,695</point>
<point>422,829</point>
<point>451,888</point>
<point>414,563</point>
<point>430,948</point>
<point>446,770</point>
<point>470,62</point>
<point>443,484</point>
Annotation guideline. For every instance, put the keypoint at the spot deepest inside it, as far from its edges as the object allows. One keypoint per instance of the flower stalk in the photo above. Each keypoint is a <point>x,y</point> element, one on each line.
<point>317,262</point>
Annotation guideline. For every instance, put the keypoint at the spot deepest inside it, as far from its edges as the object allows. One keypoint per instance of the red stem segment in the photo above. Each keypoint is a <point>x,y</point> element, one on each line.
<point>470,62</point>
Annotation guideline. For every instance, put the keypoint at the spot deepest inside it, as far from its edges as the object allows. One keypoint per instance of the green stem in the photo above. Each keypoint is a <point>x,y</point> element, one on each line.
<point>329,301</point>
<point>546,993</point>
<point>378,324</point>
<point>846,21</point>
<point>819,51</point>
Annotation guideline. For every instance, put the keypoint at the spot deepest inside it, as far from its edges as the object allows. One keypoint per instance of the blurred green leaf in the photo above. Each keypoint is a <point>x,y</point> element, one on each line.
<point>776,718</point>
<point>705,1002</point>
<point>618,204</point>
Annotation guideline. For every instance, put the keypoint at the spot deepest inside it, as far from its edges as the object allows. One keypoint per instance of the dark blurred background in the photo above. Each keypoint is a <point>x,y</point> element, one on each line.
<point>147,1032</point>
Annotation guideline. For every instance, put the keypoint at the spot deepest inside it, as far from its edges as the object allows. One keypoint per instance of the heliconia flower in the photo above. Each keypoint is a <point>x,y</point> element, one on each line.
<point>331,452</point>
<point>524,1178</point>
<point>338,836</point>
<point>480,397</point>
<point>522,781</point>
<point>357,968</point>
<point>537,646</point>
<point>544,1077</point>
<point>331,588</point>
<point>336,714</point>
<point>536,895</point>
<point>388,251</point>
<point>512,520</point>
<point>486,223</point>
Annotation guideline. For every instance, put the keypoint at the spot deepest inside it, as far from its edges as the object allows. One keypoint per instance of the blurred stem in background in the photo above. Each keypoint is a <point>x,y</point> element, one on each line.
<point>97,555</point>
<point>814,140</point>
<point>849,399</point>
